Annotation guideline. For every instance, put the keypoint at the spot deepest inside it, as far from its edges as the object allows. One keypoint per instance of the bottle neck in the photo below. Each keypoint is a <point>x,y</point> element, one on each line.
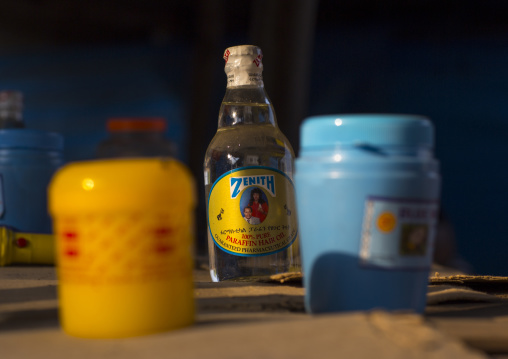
<point>11,120</point>
<point>246,105</point>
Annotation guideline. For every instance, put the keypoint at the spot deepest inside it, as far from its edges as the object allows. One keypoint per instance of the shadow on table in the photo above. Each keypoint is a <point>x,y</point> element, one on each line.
<point>252,283</point>
<point>29,319</point>
<point>250,304</point>
<point>14,316</point>
<point>20,295</point>
<point>468,310</point>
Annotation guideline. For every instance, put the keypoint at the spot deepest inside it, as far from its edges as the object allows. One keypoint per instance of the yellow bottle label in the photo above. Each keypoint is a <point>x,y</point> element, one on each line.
<point>252,211</point>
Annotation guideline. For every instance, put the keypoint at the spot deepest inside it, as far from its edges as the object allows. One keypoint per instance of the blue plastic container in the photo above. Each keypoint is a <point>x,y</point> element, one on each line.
<point>367,189</point>
<point>28,159</point>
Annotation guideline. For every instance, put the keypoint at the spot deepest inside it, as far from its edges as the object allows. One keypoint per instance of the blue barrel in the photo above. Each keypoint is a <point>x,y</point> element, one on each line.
<point>28,159</point>
<point>367,190</point>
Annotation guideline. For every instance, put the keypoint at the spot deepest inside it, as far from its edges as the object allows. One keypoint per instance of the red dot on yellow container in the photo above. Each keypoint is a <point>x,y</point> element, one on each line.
<point>21,242</point>
<point>71,252</point>
<point>161,248</point>
<point>70,236</point>
<point>386,222</point>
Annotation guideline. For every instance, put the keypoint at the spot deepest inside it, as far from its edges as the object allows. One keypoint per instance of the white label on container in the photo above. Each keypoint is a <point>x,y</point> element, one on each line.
<point>398,233</point>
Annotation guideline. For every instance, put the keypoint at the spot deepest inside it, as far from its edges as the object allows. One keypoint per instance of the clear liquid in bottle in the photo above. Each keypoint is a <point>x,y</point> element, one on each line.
<point>249,155</point>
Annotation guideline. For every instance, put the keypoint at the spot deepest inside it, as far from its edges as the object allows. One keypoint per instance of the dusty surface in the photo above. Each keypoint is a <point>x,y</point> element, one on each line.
<point>262,319</point>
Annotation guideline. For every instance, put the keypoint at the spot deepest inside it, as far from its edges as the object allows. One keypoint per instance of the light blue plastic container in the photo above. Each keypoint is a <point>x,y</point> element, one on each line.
<point>28,159</point>
<point>367,190</point>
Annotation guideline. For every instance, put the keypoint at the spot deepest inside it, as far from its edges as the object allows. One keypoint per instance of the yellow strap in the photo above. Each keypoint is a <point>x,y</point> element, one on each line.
<point>33,248</point>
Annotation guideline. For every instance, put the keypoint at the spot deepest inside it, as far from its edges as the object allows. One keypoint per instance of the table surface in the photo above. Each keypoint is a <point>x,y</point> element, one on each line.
<point>267,320</point>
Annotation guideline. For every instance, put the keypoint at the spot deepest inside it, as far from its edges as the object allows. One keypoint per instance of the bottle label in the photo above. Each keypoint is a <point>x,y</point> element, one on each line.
<point>241,77</point>
<point>244,66</point>
<point>398,234</point>
<point>252,211</point>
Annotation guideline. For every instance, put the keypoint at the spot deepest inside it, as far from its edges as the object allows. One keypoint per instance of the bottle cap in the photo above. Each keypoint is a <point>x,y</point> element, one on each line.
<point>244,65</point>
<point>367,129</point>
<point>136,124</point>
<point>121,185</point>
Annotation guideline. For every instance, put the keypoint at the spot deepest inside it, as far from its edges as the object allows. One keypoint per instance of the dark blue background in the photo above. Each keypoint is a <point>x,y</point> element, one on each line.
<point>446,60</point>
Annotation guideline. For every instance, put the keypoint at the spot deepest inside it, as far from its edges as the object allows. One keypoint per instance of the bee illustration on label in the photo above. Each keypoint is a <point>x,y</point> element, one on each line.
<point>219,216</point>
<point>288,211</point>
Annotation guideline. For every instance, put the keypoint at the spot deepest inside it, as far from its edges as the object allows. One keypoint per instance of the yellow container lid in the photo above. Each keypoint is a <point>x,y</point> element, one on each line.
<point>119,185</point>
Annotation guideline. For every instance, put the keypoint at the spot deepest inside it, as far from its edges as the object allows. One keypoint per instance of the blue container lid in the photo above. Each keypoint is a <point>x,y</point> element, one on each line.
<point>371,129</point>
<point>21,138</point>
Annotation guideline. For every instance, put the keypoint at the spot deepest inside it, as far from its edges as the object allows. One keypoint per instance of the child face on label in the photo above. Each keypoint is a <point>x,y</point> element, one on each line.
<point>247,212</point>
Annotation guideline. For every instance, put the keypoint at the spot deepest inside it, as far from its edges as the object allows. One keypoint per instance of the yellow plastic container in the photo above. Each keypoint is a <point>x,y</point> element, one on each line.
<point>124,239</point>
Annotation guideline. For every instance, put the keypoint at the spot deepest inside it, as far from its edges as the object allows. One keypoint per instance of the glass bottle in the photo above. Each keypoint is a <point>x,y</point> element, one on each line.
<point>136,137</point>
<point>11,109</point>
<point>248,173</point>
